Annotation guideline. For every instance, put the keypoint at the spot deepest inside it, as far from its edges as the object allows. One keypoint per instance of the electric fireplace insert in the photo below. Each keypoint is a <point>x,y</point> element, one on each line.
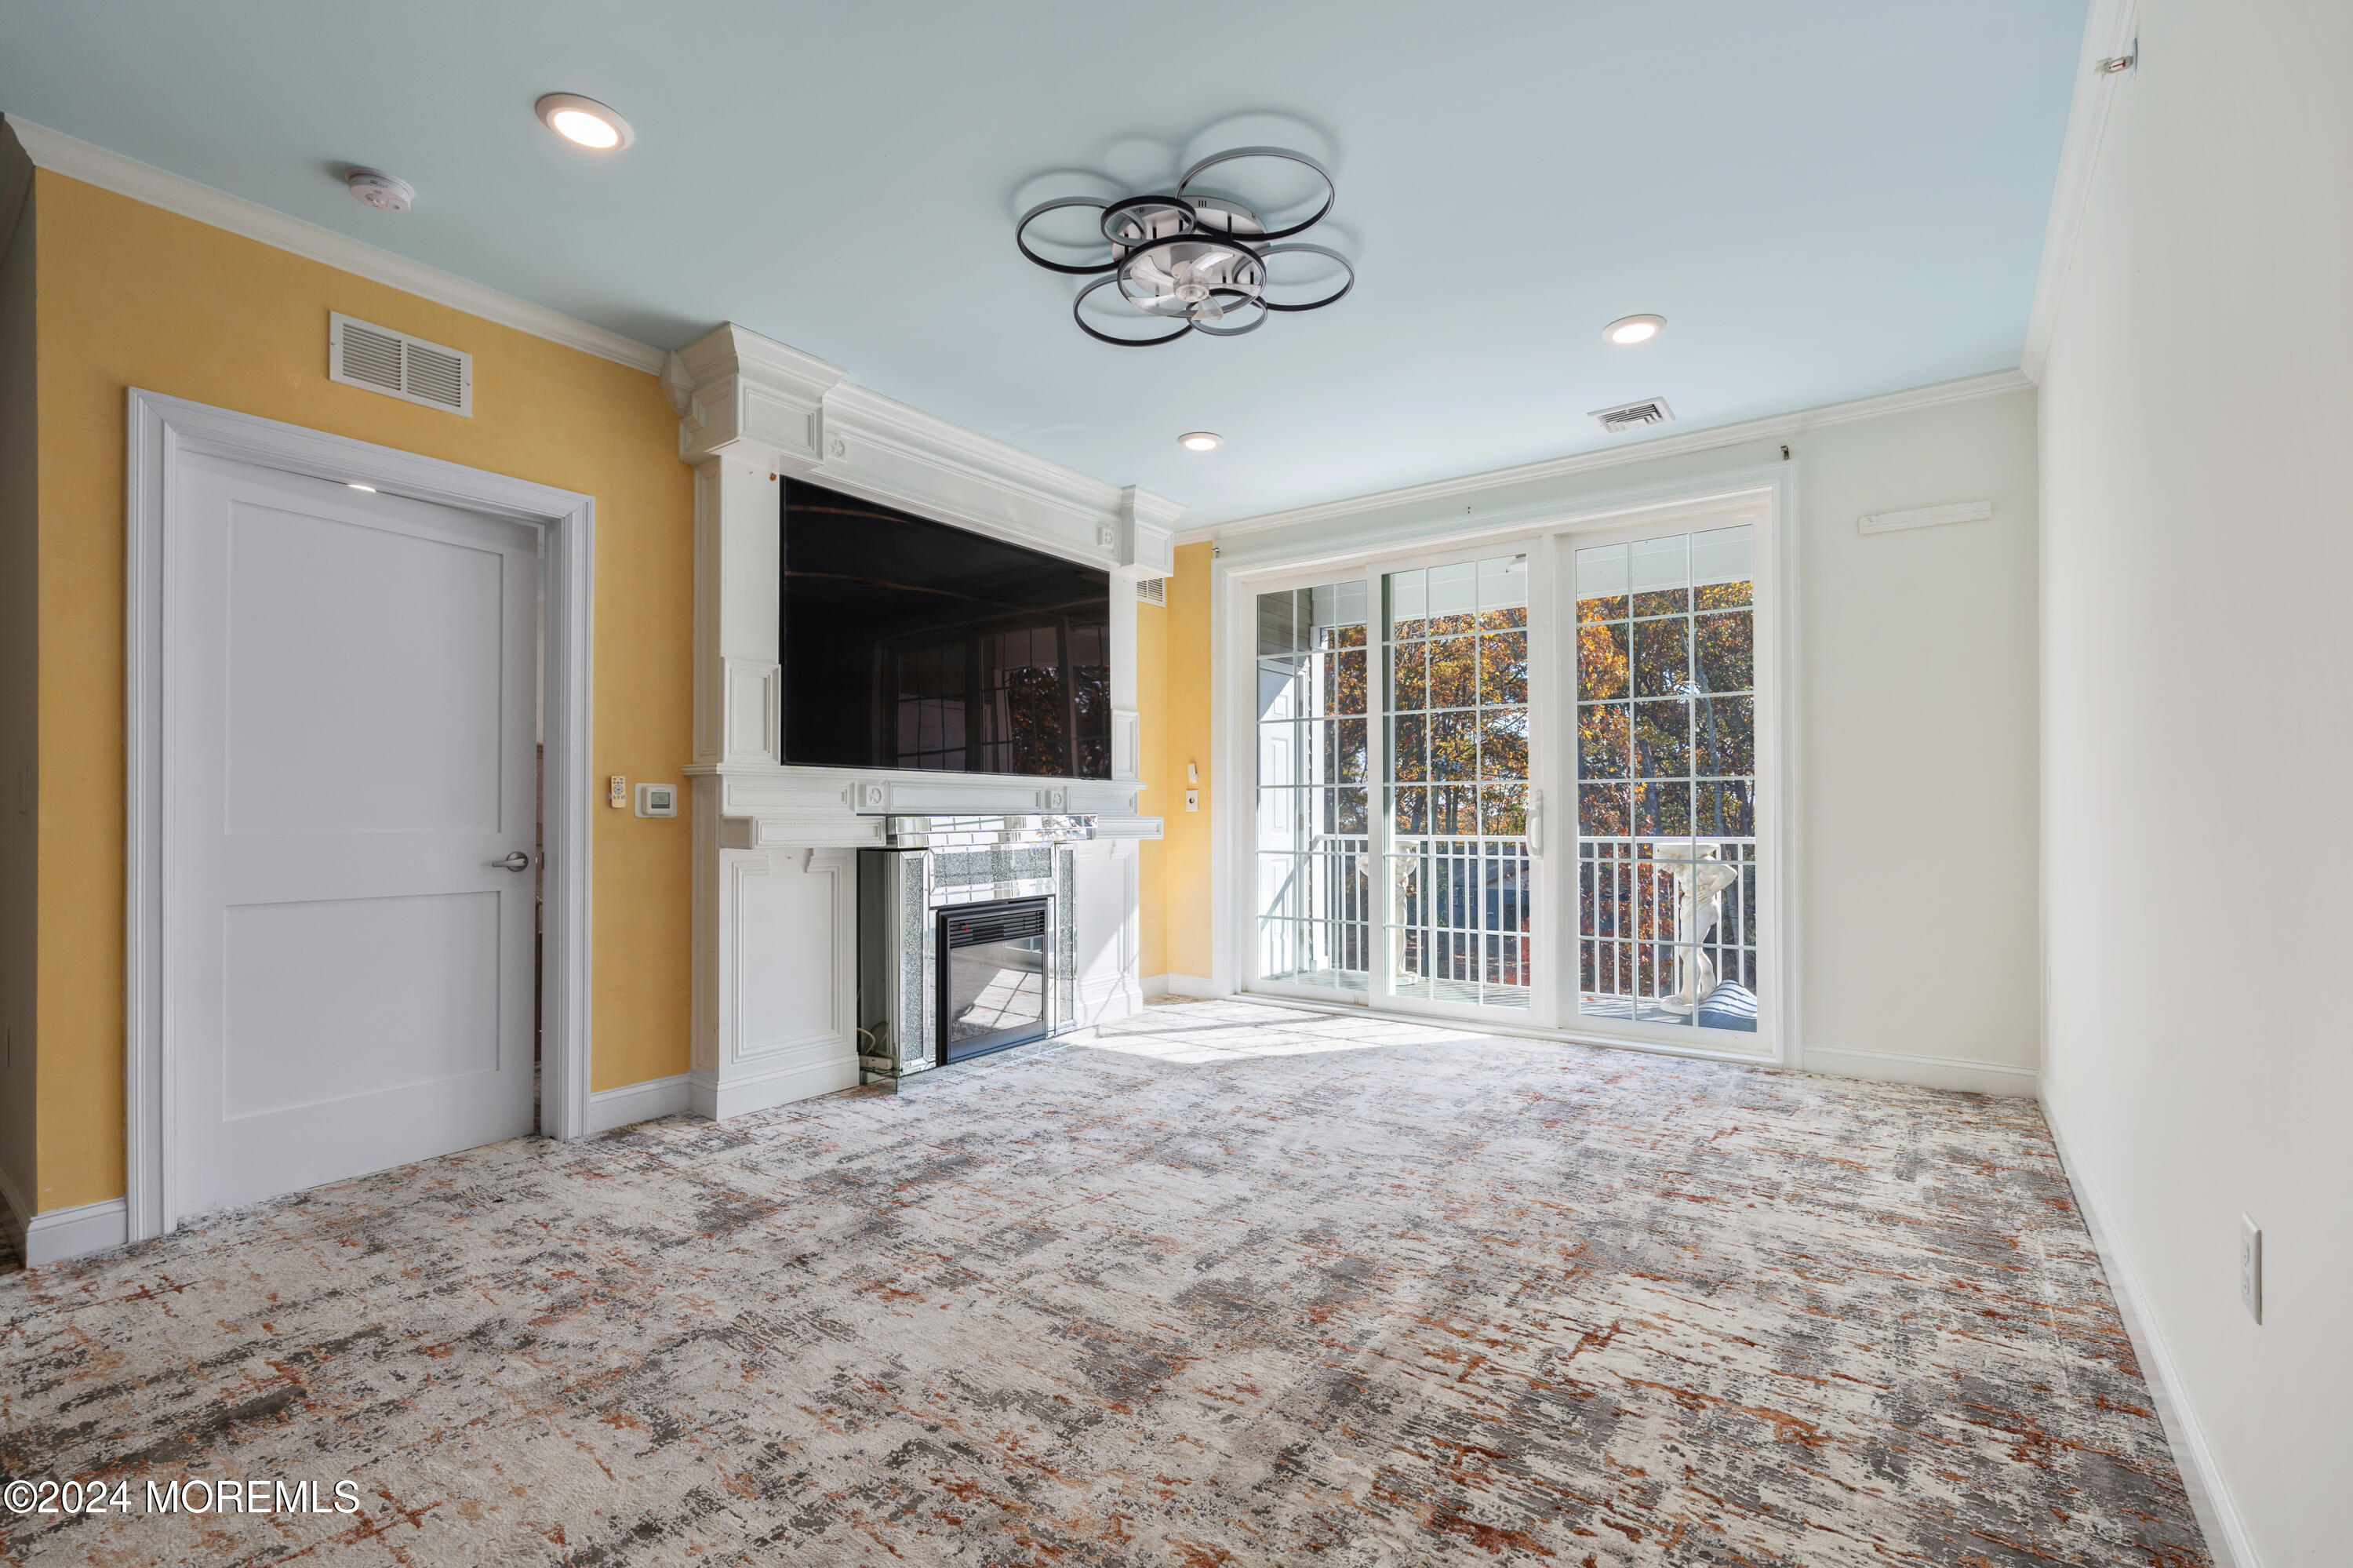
<point>992,959</point>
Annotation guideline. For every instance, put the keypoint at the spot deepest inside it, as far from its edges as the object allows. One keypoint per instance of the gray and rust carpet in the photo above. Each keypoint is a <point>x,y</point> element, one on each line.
<point>1234,1285</point>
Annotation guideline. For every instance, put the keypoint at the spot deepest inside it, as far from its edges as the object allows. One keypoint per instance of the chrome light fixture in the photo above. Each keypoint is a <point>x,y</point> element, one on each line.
<point>1197,260</point>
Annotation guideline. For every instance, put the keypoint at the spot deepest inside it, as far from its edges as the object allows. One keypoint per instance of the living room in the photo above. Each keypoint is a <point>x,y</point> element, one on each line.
<point>1360,785</point>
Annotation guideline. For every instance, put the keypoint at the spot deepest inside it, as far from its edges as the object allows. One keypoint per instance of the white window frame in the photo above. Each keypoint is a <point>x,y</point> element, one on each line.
<point>1550,535</point>
<point>1543,731</point>
<point>1247,960</point>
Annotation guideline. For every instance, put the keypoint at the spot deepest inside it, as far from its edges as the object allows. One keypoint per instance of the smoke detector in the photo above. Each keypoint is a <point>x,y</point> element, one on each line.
<point>385,193</point>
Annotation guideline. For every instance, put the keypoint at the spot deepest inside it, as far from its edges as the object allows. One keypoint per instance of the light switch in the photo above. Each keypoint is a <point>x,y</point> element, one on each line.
<point>620,795</point>
<point>1192,773</point>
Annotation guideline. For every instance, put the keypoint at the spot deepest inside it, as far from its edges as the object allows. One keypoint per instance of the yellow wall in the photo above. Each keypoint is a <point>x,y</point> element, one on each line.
<point>1163,788</point>
<point>20,508</point>
<point>131,295</point>
<point>1185,738</point>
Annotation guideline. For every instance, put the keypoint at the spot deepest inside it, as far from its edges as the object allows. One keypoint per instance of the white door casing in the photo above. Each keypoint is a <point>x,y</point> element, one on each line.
<point>348,703</point>
<point>310,833</point>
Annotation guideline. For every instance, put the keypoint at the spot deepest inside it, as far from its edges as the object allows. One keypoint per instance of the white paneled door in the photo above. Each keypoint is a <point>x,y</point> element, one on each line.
<point>350,821</point>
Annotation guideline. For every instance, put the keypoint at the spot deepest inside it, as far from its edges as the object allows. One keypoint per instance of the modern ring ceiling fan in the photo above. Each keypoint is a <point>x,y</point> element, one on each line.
<point>1197,260</point>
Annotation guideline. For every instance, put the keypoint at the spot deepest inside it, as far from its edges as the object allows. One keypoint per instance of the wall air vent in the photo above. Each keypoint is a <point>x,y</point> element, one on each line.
<point>1151,590</point>
<point>398,366</point>
<point>1634,415</point>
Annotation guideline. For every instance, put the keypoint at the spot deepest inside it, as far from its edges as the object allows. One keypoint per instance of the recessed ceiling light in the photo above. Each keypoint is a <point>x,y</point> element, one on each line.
<point>585,120</point>
<point>1200,441</point>
<point>1628,330</point>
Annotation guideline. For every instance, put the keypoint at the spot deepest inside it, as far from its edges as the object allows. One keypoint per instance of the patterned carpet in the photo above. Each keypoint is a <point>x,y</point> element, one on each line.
<point>1234,1285</point>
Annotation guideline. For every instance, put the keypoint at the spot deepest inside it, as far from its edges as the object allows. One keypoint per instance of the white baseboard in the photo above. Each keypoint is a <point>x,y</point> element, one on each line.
<point>1924,1072</point>
<point>61,1233</point>
<point>633,1103</point>
<point>707,1095</point>
<point>1182,985</point>
<point>1112,995</point>
<point>2209,1499</point>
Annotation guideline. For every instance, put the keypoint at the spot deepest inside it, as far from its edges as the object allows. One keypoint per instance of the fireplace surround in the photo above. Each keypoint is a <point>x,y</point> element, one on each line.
<point>966,938</point>
<point>778,1015</point>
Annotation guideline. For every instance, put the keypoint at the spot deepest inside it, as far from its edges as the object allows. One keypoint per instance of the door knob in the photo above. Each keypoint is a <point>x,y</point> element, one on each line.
<point>518,861</point>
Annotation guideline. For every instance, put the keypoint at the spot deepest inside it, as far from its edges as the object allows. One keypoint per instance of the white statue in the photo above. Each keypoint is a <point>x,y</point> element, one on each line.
<point>1701,875</point>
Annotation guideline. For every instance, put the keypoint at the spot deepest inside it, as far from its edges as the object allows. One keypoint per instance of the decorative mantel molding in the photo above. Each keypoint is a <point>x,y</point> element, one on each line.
<point>776,409</point>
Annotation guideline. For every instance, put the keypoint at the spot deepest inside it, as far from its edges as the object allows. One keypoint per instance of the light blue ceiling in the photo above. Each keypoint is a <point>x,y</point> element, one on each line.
<point>1826,198</point>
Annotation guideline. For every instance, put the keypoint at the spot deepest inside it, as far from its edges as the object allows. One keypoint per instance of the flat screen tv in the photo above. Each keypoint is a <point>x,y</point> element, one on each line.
<point>908,643</point>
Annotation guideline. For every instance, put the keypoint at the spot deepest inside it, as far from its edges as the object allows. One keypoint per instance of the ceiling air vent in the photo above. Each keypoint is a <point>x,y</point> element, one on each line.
<point>1151,590</point>
<point>398,366</point>
<point>1634,415</point>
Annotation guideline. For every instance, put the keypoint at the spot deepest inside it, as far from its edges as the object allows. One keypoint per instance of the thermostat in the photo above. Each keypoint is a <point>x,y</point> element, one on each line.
<point>656,800</point>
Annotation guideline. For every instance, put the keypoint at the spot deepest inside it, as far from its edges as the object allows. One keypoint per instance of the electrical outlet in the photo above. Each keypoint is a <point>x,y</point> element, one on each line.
<point>620,797</point>
<point>1192,800</point>
<point>2251,1268</point>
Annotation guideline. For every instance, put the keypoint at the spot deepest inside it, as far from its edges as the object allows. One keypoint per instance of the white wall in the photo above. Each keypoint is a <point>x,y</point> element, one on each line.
<point>2197,477</point>
<point>1917,704</point>
<point>20,623</point>
<point>1919,759</point>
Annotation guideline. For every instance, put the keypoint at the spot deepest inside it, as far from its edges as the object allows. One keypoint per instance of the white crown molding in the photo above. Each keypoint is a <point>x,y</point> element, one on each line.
<point>2107,32</point>
<point>1148,532</point>
<point>737,392</point>
<point>77,160</point>
<point>1467,489</point>
<point>887,449</point>
<point>758,401</point>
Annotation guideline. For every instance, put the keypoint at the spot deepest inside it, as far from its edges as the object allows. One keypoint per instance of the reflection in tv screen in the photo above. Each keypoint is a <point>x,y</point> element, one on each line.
<point>909,644</point>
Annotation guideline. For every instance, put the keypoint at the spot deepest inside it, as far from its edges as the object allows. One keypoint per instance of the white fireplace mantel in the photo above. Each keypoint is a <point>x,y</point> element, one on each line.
<point>781,411</point>
<point>775,869</point>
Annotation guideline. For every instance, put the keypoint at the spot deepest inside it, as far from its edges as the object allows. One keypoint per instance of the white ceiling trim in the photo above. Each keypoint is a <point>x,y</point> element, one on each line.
<point>2107,32</point>
<point>77,160</point>
<point>770,405</point>
<point>1470,486</point>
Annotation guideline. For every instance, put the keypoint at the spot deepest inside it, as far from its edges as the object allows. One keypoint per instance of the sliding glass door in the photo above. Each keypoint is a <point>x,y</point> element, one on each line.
<point>1392,791</point>
<point>1454,728</point>
<point>1667,851</point>
<point>1402,722</point>
<point>1314,897</point>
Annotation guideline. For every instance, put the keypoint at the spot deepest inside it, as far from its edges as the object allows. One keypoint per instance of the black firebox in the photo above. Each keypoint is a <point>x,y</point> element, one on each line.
<point>992,978</point>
